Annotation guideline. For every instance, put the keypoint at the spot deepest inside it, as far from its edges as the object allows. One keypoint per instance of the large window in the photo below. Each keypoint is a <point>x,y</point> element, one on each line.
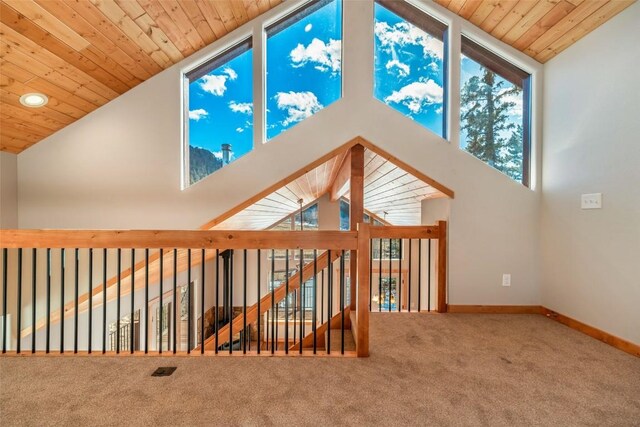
<point>219,126</point>
<point>304,64</point>
<point>494,122</point>
<point>409,73</point>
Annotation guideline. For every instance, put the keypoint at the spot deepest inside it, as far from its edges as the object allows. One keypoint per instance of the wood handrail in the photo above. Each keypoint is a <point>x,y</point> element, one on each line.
<point>405,232</point>
<point>188,239</point>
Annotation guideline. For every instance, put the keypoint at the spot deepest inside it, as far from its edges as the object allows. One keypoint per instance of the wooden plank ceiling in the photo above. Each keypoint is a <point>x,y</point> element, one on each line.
<point>390,193</point>
<point>84,53</point>
<point>540,28</point>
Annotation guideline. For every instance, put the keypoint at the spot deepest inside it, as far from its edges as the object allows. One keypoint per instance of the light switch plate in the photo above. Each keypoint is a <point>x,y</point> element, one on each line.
<point>591,201</point>
<point>506,280</point>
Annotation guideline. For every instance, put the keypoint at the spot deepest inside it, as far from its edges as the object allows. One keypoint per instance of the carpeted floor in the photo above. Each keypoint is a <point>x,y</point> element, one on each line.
<point>455,369</point>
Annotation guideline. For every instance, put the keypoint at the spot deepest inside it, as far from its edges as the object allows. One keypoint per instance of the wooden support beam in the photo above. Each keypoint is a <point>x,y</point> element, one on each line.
<point>362,296</point>
<point>356,209</point>
<point>442,267</point>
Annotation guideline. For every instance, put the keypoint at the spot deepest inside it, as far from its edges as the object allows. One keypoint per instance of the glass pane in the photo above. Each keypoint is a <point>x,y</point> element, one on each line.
<point>220,127</point>
<point>409,69</point>
<point>344,215</point>
<point>310,216</point>
<point>491,126</point>
<point>304,68</point>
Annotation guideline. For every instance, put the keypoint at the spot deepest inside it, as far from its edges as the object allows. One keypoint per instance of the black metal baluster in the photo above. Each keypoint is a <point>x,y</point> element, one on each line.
<point>429,276</point>
<point>286,304</point>
<point>175,300</point>
<point>370,272</point>
<point>62,265</point>
<point>390,275</point>
<point>202,303</point>
<point>259,340</point>
<point>5,266</point>
<point>301,301</point>
<point>104,300</point>
<point>244,301</point>
<point>231,303</point>
<point>75,302</point>
<point>189,303</point>
<point>315,295</point>
<point>322,296</point>
<point>399,282</point>
<point>118,292</point>
<point>329,297</point>
<point>273,298</point>
<point>419,272</point>
<point>161,311</point>
<point>380,275</point>
<point>409,279</point>
<point>146,300</point>
<point>19,324</point>
<point>341,303</point>
<point>48,332</point>
<point>89,338</point>
<point>34,258</point>
<point>133,291</point>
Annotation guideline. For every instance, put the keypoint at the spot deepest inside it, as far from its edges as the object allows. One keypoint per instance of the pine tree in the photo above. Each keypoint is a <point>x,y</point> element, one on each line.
<point>485,118</point>
<point>513,154</point>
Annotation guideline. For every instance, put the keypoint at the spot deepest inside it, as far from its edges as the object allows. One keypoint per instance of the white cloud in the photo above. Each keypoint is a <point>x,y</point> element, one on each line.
<point>239,130</point>
<point>325,56</point>
<point>197,114</point>
<point>215,85</point>
<point>404,34</point>
<point>241,107</point>
<point>417,95</point>
<point>231,73</point>
<point>298,105</point>
<point>308,28</point>
<point>402,68</point>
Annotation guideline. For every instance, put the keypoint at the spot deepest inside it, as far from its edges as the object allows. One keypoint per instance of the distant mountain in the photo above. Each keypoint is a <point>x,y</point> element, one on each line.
<point>202,162</point>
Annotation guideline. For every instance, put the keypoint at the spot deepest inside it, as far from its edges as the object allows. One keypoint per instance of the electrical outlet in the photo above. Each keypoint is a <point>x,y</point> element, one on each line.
<point>591,201</point>
<point>506,280</point>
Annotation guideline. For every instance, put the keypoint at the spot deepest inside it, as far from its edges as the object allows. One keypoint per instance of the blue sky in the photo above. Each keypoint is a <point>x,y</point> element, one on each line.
<point>303,76</point>
<point>304,68</point>
<point>221,107</point>
<point>408,69</point>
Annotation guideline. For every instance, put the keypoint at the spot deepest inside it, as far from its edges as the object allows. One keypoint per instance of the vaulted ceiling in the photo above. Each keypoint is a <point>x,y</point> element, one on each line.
<point>84,53</point>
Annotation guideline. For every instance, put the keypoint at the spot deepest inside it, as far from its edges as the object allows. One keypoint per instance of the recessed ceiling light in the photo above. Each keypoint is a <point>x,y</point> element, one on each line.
<point>34,100</point>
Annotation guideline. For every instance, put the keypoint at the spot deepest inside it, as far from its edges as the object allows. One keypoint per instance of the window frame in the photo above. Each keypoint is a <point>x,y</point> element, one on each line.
<point>515,75</point>
<point>281,23</point>
<point>433,26</point>
<point>195,72</point>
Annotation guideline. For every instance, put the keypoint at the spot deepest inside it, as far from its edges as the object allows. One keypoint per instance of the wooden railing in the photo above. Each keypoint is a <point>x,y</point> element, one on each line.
<point>66,291</point>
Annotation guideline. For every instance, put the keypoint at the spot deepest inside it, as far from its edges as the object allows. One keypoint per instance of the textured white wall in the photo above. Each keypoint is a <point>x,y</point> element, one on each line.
<point>8,190</point>
<point>120,167</point>
<point>592,144</point>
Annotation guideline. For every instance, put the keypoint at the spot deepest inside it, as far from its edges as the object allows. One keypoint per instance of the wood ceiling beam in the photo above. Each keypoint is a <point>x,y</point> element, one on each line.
<point>339,186</point>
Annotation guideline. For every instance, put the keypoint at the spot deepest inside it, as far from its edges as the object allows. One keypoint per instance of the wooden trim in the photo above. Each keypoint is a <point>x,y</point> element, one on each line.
<point>405,232</point>
<point>264,193</point>
<point>363,297</point>
<point>356,208</point>
<point>402,165</point>
<point>442,268</point>
<point>208,353</point>
<point>496,309</point>
<point>193,239</point>
<point>600,335</point>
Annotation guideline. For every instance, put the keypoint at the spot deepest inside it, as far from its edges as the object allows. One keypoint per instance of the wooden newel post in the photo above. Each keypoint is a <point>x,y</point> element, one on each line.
<point>363,297</point>
<point>442,266</point>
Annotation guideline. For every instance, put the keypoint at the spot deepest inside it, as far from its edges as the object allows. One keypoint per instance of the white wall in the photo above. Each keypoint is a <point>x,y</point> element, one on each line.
<point>8,190</point>
<point>592,144</point>
<point>120,166</point>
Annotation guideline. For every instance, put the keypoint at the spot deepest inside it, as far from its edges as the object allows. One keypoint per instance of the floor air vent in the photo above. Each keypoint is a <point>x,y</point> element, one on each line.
<point>164,371</point>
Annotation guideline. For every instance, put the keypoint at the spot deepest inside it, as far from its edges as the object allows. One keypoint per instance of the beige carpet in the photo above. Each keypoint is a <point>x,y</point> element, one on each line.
<point>455,369</point>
